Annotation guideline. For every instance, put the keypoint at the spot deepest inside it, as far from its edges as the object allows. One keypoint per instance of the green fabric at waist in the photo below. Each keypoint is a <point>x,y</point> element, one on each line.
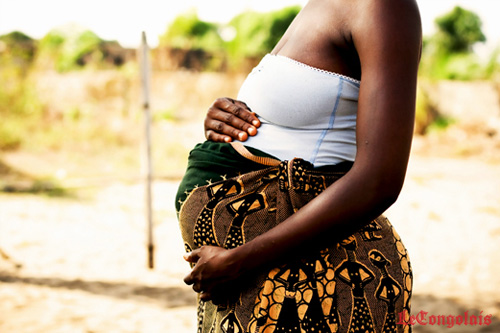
<point>209,162</point>
<point>213,161</point>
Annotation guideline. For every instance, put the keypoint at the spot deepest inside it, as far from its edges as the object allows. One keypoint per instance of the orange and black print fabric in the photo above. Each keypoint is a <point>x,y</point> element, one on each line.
<point>360,284</point>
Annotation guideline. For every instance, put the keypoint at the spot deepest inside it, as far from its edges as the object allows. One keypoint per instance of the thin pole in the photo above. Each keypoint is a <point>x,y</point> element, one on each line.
<point>147,132</point>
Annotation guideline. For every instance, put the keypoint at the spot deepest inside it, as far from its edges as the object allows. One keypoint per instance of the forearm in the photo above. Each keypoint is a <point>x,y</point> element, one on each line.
<point>343,208</point>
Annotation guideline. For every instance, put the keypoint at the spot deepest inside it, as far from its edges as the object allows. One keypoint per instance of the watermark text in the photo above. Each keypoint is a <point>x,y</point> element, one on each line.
<point>423,318</point>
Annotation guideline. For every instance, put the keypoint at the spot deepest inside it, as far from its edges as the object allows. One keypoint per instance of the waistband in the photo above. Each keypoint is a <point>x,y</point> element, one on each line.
<point>298,174</point>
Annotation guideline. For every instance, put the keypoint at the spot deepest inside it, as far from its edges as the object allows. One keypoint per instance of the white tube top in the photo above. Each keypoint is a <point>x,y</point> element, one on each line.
<point>305,112</point>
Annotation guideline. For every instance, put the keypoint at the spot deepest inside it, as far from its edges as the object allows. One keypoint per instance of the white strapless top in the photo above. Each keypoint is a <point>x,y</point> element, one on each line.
<point>305,112</point>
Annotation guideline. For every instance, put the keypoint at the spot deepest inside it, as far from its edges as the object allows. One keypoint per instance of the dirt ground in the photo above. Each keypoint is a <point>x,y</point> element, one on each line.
<point>78,264</point>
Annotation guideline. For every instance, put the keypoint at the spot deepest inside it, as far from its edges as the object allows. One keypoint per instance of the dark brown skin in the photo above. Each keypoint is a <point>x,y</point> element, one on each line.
<point>228,119</point>
<point>380,39</point>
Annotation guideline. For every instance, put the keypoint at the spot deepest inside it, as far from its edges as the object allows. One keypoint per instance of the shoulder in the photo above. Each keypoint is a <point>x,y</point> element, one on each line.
<point>394,17</point>
<point>390,10</point>
<point>388,28</point>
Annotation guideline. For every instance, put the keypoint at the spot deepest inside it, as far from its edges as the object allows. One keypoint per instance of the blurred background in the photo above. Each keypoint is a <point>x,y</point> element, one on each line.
<point>72,194</point>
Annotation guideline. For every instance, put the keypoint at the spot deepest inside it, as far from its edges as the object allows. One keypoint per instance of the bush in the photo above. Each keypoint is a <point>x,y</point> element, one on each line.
<point>257,33</point>
<point>69,50</point>
<point>20,111</point>
<point>448,53</point>
<point>248,35</point>
<point>189,32</point>
<point>19,105</point>
<point>459,30</point>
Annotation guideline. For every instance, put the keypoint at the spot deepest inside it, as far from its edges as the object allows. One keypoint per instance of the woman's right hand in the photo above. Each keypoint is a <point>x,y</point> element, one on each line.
<point>228,119</point>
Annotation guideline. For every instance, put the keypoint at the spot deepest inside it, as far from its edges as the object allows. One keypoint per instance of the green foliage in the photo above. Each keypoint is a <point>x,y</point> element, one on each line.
<point>280,20</point>
<point>492,67</point>
<point>15,37</point>
<point>441,123</point>
<point>19,105</point>
<point>189,32</point>
<point>448,53</point>
<point>20,110</point>
<point>257,33</point>
<point>459,30</point>
<point>52,41</point>
<point>248,35</point>
<point>453,67</point>
<point>85,43</point>
<point>427,116</point>
<point>165,115</point>
<point>67,50</point>
<point>17,49</point>
<point>18,45</point>
<point>48,187</point>
<point>423,111</point>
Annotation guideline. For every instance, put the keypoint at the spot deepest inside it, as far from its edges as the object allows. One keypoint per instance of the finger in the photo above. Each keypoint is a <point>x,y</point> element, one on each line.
<point>219,131</point>
<point>227,117</point>
<point>240,118</point>
<point>206,296</point>
<point>216,137</point>
<point>197,288</point>
<point>223,126</point>
<point>243,124</point>
<point>193,256</point>
<point>250,117</point>
<point>189,279</point>
<point>239,110</point>
<point>252,131</point>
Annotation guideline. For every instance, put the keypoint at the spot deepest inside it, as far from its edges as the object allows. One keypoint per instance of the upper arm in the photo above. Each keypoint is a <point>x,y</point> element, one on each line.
<point>387,38</point>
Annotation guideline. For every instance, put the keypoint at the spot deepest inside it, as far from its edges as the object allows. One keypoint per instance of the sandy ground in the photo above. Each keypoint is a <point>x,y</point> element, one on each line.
<point>84,259</point>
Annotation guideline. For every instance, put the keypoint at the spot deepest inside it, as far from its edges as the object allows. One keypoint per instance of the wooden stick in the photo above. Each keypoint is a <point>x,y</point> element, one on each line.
<point>147,132</point>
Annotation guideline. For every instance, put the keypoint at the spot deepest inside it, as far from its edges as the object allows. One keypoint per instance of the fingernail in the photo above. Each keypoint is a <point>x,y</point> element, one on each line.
<point>227,139</point>
<point>241,136</point>
<point>252,131</point>
<point>186,256</point>
<point>255,123</point>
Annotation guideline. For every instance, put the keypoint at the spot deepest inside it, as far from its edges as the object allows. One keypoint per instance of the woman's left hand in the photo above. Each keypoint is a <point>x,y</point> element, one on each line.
<point>214,266</point>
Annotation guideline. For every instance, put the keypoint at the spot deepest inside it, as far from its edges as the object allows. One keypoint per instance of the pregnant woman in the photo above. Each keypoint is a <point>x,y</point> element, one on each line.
<point>281,208</point>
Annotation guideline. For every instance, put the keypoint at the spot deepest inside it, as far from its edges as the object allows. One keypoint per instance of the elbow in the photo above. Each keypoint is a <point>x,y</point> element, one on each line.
<point>388,199</point>
<point>386,193</point>
<point>382,190</point>
<point>383,182</point>
<point>375,188</point>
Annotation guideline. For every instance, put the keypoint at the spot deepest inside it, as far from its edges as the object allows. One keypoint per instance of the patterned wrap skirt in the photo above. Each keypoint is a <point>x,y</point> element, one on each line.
<point>230,194</point>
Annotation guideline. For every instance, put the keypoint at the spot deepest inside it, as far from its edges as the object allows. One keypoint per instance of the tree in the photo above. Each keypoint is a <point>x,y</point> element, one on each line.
<point>459,30</point>
<point>187,31</point>
<point>448,53</point>
<point>248,35</point>
<point>257,33</point>
<point>19,47</point>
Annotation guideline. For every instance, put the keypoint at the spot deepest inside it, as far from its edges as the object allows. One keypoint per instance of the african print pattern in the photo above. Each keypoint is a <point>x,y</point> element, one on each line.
<point>359,284</point>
